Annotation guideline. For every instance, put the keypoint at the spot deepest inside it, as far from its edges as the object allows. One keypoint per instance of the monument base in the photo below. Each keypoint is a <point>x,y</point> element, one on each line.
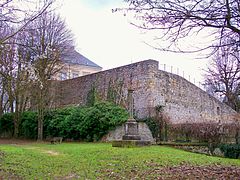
<point>131,130</point>
<point>130,143</point>
<point>131,137</point>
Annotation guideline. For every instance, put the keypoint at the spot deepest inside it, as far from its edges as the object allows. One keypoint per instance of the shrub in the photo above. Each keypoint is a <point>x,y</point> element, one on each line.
<point>230,150</point>
<point>6,124</point>
<point>55,122</point>
<point>153,126</point>
<point>99,119</point>
<point>211,132</point>
<point>28,127</point>
<point>159,124</point>
<point>85,123</point>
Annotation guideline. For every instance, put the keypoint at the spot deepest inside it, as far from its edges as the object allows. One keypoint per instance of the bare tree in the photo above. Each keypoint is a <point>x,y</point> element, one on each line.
<point>6,63</point>
<point>223,76</point>
<point>14,80</point>
<point>178,19</point>
<point>25,46</point>
<point>6,74</point>
<point>15,13</point>
<point>47,41</point>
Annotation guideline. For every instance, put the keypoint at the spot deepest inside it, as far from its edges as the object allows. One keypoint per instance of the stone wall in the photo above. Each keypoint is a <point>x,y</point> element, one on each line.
<point>137,76</point>
<point>182,100</point>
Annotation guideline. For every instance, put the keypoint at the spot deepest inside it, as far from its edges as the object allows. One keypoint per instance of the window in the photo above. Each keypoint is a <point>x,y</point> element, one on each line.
<point>74,75</point>
<point>63,76</point>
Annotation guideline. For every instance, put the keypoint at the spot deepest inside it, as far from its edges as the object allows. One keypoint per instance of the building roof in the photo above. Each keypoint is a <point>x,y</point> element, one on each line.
<point>75,57</point>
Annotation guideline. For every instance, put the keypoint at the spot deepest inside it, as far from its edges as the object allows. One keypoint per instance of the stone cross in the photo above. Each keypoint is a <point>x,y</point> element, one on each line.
<point>130,101</point>
<point>131,126</point>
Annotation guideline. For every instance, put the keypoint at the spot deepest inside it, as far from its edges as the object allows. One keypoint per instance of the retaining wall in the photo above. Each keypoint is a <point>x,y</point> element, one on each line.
<point>182,100</point>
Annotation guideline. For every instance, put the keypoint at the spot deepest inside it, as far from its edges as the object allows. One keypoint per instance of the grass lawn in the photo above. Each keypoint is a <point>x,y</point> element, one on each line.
<point>102,161</point>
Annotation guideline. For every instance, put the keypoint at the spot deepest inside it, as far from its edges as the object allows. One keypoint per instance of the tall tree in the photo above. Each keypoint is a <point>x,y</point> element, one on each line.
<point>6,67</point>
<point>14,17</point>
<point>48,40</point>
<point>177,19</point>
<point>14,80</point>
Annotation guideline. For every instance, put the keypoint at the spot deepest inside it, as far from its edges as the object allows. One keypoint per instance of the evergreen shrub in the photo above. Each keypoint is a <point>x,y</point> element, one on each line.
<point>230,150</point>
<point>78,123</point>
<point>28,125</point>
<point>6,124</point>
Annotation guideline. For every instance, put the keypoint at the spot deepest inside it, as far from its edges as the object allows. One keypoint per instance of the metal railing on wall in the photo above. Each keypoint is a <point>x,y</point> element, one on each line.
<point>179,72</point>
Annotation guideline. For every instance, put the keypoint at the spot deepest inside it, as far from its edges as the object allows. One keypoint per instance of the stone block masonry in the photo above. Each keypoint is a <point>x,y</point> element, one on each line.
<point>185,102</point>
<point>182,100</point>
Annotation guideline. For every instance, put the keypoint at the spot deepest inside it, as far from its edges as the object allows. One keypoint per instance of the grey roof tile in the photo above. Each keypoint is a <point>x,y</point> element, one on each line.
<point>74,57</point>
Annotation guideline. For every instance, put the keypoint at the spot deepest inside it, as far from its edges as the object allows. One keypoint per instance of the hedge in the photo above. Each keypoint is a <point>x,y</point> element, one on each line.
<point>78,123</point>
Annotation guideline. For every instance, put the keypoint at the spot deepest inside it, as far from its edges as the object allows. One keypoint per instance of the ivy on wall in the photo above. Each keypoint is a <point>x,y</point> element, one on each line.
<point>115,92</point>
<point>92,96</point>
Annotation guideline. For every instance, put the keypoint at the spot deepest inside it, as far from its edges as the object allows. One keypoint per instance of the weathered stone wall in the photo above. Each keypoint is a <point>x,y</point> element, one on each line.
<point>137,76</point>
<point>182,100</point>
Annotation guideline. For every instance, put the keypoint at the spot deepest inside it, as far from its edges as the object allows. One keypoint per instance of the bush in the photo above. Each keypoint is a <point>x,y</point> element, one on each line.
<point>153,126</point>
<point>85,123</point>
<point>28,126</point>
<point>159,125</point>
<point>6,125</point>
<point>230,150</point>
<point>213,133</point>
<point>96,121</point>
<point>55,122</point>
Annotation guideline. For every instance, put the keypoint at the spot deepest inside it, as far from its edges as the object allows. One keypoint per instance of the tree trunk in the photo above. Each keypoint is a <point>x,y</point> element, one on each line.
<point>165,131</point>
<point>40,116</point>
<point>16,124</point>
<point>1,103</point>
<point>1,110</point>
<point>40,128</point>
<point>16,117</point>
<point>16,129</point>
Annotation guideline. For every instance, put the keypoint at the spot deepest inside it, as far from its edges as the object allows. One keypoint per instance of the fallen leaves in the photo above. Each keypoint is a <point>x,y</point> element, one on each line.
<point>198,172</point>
<point>183,171</point>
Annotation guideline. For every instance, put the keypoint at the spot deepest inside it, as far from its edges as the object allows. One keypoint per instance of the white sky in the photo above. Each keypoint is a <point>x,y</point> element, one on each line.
<point>109,40</point>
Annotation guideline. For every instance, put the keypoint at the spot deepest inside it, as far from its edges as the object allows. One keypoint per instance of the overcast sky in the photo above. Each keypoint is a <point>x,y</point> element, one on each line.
<point>109,40</point>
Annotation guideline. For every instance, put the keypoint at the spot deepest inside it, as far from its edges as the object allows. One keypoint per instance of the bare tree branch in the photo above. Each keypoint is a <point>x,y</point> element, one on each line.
<point>178,19</point>
<point>223,76</point>
<point>26,21</point>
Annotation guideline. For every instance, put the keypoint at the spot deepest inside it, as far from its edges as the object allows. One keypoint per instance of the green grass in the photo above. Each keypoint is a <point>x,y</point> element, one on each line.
<point>94,160</point>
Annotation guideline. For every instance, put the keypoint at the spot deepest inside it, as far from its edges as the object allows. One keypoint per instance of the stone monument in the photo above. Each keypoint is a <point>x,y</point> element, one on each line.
<point>131,137</point>
<point>131,126</point>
